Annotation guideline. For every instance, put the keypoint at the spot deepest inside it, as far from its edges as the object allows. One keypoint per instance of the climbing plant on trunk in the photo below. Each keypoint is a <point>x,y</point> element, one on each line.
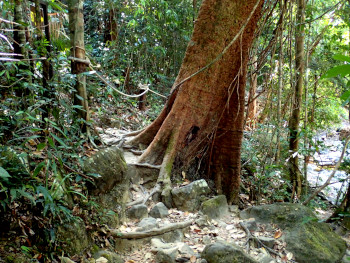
<point>203,117</point>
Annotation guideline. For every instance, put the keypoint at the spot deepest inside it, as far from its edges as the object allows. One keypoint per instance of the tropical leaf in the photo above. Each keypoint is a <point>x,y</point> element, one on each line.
<point>4,174</point>
<point>342,70</point>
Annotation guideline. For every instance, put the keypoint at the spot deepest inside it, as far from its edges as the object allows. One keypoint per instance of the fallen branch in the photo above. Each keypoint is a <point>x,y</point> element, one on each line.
<point>150,233</point>
<point>328,182</point>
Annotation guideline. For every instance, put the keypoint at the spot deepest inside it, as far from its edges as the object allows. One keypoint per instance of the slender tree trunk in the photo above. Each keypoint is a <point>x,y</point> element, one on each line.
<point>306,140</point>
<point>252,103</point>
<point>76,27</point>
<point>45,52</point>
<point>19,37</point>
<point>283,5</point>
<point>203,117</point>
<point>294,121</point>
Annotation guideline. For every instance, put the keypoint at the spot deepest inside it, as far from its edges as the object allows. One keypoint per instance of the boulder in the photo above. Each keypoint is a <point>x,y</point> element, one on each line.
<point>66,260</point>
<point>233,209</point>
<point>109,166</point>
<point>166,255</point>
<point>315,242</point>
<point>137,212</point>
<point>159,211</point>
<point>250,224</point>
<point>189,197</point>
<point>285,215</point>
<point>108,255</point>
<point>111,189</point>
<point>173,236</point>
<point>309,240</point>
<point>268,241</point>
<point>74,237</point>
<point>221,252</point>
<point>158,244</point>
<point>147,223</point>
<point>215,207</point>
<point>185,249</point>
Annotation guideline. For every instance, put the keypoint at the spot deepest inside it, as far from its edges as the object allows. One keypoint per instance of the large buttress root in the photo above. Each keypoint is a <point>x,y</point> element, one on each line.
<point>194,110</point>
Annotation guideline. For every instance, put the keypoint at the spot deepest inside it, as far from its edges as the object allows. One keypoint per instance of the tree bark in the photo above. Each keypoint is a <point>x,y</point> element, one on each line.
<point>45,52</point>
<point>76,28</point>
<point>294,121</point>
<point>252,102</point>
<point>203,117</point>
<point>19,37</point>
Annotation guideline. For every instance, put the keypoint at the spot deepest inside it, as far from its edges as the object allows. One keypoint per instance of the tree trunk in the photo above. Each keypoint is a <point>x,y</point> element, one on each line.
<point>203,117</point>
<point>19,37</point>
<point>252,102</point>
<point>294,121</point>
<point>76,28</point>
<point>45,52</point>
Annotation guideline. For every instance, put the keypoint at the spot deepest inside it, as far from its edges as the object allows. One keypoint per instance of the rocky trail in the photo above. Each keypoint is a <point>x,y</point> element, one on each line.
<point>194,225</point>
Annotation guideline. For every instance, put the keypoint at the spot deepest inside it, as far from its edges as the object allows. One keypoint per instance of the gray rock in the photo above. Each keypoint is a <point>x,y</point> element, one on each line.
<point>109,255</point>
<point>215,207</point>
<point>309,240</point>
<point>158,244</point>
<point>166,198</point>
<point>188,198</point>
<point>250,224</point>
<point>202,221</point>
<point>221,252</point>
<point>203,261</point>
<point>233,209</point>
<point>166,255</point>
<point>147,223</point>
<point>173,236</point>
<point>159,211</point>
<point>66,260</point>
<point>268,241</point>
<point>185,249</point>
<point>206,240</point>
<point>137,212</point>
<point>111,167</point>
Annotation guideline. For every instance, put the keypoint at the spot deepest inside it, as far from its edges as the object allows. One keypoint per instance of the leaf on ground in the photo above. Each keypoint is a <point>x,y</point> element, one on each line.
<point>278,234</point>
<point>289,255</point>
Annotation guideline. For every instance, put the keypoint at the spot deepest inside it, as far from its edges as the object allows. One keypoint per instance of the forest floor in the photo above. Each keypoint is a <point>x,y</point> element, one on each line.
<point>200,233</point>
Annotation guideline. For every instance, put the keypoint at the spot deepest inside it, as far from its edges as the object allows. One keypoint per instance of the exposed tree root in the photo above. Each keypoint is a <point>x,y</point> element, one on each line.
<point>147,165</point>
<point>133,133</point>
<point>143,200</point>
<point>250,236</point>
<point>150,233</point>
<point>136,152</point>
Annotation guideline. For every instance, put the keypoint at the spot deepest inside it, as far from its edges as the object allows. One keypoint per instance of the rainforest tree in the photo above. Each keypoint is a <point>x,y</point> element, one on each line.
<point>203,117</point>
